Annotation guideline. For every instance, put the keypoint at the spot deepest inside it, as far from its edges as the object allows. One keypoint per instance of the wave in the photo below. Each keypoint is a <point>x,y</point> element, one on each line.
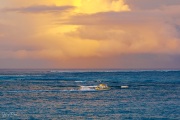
<point>109,71</point>
<point>87,88</point>
<point>39,91</point>
<point>79,81</point>
<point>19,75</point>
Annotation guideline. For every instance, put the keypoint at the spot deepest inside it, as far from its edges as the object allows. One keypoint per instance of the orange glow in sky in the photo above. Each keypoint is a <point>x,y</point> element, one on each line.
<point>89,34</point>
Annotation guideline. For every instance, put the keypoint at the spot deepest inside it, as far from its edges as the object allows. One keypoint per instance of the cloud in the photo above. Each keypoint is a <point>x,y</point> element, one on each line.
<point>0,31</point>
<point>150,4</point>
<point>94,6</point>
<point>113,18</point>
<point>136,32</point>
<point>77,6</point>
<point>92,34</point>
<point>40,9</point>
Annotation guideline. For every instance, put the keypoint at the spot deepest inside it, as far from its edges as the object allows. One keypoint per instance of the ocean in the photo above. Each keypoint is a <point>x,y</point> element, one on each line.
<point>57,95</point>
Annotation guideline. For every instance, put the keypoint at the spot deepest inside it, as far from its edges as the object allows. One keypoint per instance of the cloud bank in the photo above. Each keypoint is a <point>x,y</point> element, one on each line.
<point>39,9</point>
<point>91,34</point>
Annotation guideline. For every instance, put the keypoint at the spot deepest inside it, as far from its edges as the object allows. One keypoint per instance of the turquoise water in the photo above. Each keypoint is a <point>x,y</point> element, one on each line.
<point>53,94</point>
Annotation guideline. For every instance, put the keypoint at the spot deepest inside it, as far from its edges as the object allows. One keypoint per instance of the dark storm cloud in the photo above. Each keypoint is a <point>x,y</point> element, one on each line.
<point>40,9</point>
<point>151,4</point>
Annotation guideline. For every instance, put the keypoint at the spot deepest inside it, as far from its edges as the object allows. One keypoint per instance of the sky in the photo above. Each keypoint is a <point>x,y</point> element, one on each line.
<point>90,34</point>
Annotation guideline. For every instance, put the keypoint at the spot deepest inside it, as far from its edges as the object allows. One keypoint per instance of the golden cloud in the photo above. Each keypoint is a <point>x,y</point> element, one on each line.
<point>88,29</point>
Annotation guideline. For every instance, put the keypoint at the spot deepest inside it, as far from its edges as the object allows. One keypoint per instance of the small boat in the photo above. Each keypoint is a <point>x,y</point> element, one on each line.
<point>102,87</point>
<point>98,87</point>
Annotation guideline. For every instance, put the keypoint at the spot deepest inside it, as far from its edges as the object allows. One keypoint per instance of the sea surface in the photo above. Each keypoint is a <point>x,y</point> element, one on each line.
<point>56,95</point>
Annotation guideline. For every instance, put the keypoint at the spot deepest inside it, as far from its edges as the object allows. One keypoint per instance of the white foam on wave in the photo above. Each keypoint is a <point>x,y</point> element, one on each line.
<point>87,88</point>
<point>124,86</point>
<point>79,81</point>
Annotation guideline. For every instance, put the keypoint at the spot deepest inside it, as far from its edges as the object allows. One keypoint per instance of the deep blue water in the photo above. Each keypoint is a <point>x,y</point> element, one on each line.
<point>53,94</point>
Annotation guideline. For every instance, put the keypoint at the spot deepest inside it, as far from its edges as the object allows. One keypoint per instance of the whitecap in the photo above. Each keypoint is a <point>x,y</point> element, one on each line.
<point>124,86</point>
<point>87,88</point>
<point>79,81</point>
